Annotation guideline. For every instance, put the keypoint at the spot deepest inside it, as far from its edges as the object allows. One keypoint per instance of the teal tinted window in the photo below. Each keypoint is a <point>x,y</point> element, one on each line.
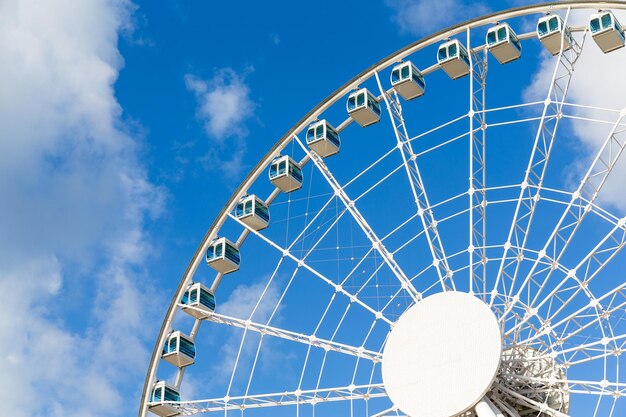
<point>351,102</point>
<point>360,100</point>
<point>452,51</point>
<point>282,167</point>
<point>442,54</point>
<point>319,132</point>
<point>595,25</point>
<point>310,134</point>
<point>157,394</point>
<point>491,37</point>
<point>607,22</point>
<point>554,24</point>
<point>502,34</point>
<point>405,73</point>
<point>542,28</point>
<point>395,76</point>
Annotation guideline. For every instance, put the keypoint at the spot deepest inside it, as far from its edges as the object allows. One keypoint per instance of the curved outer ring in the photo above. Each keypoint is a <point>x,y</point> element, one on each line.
<point>312,115</point>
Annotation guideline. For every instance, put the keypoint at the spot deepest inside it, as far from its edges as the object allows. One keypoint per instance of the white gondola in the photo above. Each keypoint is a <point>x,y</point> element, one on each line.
<point>407,80</point>
<point>323,138</point>
<point>198,301</point>
<point>179,350</point>
<point>223,256</point>
<point>363,107</point>
<point>503,43</point>
<point>550,29</point>
<point>162,398</point>
<point>606,31</point>
<point>453,59</point>
<point>286,174</point>
<point>253,212</point>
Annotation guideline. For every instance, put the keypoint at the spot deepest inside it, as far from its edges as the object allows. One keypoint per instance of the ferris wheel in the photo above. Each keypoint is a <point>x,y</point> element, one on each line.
<point>439,251</point>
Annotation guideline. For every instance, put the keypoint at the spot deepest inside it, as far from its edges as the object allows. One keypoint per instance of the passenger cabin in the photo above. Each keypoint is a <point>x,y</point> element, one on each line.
<point>253,212</point>
<point>323,138</point>
<point>179,350</point>
<point>606,31</point>
<point>286,174</point>
<point>363,107</point>
<point>223,256</point>
<point>198,301</point>
<point>407,80</point>
<point>550,30</point>
<point>162,398</point>
<point>453,59</point>
<point>503,43</point>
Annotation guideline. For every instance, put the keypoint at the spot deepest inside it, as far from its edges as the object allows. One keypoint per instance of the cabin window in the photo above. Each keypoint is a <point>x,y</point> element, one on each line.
<point>491,37</point>
<point>215,251</point>
<point>442,54</point>
<point>360,100</point>
<point>405,73</point>
<point>282,167</point>
<point>171,395</point>
<point>262,212</point>
<point>193,296</point>
<point>452,50</point>
<point>554,24</point>
<point>607,22</point>
<point>395,76</point>
<point>232,254</point>
<point>157,394</point>
<point>418,79</point>
<point>295,172</point>
<point>207,299</point>
<point>332,136</point>
<point>542,28</point>
<point>351,102</point>
<point>502,34</point>
<point>595,25</point>
<point>187,347</point>
<point>310,134</point>
<point>319,132</point>
<point>248,207</point>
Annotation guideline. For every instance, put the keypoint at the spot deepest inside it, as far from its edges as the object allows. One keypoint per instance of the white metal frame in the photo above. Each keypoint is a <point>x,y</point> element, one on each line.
<point>581,203</point>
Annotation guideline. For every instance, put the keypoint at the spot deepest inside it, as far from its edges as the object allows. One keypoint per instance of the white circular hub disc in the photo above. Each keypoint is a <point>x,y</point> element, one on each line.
<point>442,355</point>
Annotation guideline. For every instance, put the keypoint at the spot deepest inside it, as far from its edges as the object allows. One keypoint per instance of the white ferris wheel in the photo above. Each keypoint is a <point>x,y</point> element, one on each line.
<point>421,251</point>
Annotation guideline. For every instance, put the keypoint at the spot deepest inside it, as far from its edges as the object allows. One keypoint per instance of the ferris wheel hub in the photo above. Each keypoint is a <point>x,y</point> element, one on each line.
<point>442,355</point>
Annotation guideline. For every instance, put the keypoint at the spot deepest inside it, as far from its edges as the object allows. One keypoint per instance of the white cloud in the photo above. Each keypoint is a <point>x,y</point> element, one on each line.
<point>74,202</point>
<point>597,81</point>
<point>224,106</point>
<point>420,17</point>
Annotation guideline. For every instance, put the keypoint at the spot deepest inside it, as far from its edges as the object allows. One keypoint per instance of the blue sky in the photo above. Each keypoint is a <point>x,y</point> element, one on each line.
<point>125,128</point>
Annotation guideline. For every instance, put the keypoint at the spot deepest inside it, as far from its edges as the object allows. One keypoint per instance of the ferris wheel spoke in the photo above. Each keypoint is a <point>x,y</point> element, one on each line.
<point>301,263</point>
<point>581,319</point>
<point>529,402</point>
<point>420,197</point>
<point>477,195</point>
<point>530,188</point>
<point>311,339</point>
<point>282,399</point>
<point>576,386</point>
<point>589,189</point>
<point>365,227</point>
<point>588,269</point>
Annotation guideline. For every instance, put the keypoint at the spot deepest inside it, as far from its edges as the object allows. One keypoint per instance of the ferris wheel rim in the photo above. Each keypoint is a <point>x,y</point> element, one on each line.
<point>312,115</point>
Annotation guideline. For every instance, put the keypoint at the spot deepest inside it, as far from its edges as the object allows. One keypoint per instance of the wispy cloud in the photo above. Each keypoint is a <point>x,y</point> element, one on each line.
<point>420,17</point>
<point>224,106</point>
<point>75,201</point>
